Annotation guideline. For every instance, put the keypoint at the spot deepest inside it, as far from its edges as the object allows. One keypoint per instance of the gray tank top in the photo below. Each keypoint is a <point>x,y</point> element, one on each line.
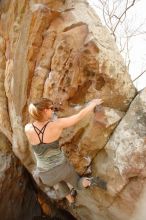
<point>48,155</point>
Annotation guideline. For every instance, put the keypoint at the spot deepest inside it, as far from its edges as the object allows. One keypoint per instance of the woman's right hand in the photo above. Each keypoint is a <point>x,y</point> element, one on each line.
<point>95,102</point>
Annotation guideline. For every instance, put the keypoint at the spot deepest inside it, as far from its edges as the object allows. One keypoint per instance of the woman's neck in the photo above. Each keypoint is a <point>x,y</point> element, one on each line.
<point>44,121</point>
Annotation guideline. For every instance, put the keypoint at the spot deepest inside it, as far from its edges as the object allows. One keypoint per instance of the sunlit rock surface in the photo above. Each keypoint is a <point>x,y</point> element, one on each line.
<point>60,50</point>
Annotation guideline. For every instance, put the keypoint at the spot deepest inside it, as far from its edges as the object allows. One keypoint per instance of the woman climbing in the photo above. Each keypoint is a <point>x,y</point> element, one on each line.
<point>43,134</point>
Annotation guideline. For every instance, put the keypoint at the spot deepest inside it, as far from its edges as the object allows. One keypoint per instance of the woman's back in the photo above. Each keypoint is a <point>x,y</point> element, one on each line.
<point>50,134</point>
<point>47,151</point>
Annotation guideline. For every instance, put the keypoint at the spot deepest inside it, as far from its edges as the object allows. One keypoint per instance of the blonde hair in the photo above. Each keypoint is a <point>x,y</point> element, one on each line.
<point>36,108</point>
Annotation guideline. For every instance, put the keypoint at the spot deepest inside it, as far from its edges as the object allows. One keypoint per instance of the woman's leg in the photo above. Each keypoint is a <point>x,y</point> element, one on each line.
<point>63,190</point>
<point>82,182</point>
<point>70,198</point>
<point>85,182</point>
<point>74,179</point>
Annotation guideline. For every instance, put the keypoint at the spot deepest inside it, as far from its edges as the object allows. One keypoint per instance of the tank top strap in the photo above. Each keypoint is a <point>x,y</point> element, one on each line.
<point>40,132</point>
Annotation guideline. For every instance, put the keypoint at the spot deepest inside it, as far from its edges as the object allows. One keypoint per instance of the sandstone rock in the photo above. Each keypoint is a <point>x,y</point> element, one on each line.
<point>60,50</point>
<point>5,126</point>
<point>18,198</point>
<point>123,161</point>
<point>82,142</point>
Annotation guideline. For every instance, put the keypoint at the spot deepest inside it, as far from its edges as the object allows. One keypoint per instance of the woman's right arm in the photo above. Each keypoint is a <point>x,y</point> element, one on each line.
<point>74,119</point>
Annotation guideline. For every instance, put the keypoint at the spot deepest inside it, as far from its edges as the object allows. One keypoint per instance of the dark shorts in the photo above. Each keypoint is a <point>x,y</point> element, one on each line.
<point>59,176</point>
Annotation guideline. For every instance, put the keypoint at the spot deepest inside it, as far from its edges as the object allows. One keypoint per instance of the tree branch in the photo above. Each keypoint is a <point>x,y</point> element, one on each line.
<point>124,13</point>
<point>139,76</point>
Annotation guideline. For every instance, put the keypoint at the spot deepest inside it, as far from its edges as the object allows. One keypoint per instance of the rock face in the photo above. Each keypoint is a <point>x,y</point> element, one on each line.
<point>60,50</point>
<point>18,199</point>
<point>122,162</point>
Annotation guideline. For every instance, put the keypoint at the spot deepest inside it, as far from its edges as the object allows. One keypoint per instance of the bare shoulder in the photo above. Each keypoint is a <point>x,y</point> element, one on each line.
<point>28,127</point>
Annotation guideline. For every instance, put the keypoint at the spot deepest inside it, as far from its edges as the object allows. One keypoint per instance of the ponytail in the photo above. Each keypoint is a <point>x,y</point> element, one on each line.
<point>34,113</point>
<point>36,109</point>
